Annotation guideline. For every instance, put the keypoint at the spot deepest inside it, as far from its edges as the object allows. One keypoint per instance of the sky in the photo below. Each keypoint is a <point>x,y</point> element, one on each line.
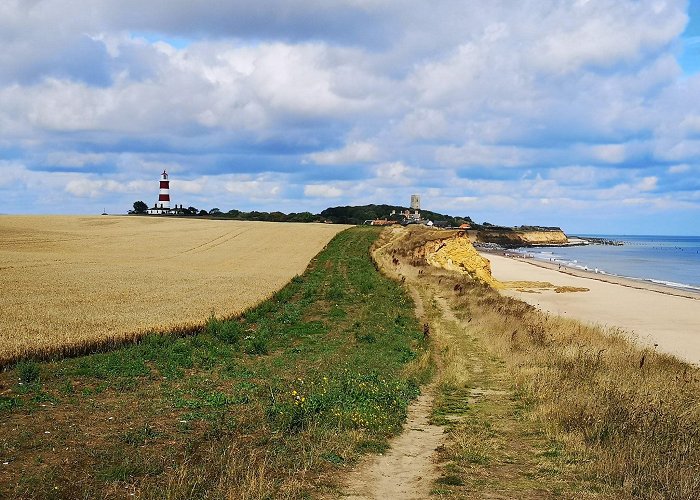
<point>583,114</point>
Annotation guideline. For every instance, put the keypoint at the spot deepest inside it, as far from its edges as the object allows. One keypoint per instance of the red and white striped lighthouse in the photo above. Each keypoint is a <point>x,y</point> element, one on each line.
<point>164,193</point>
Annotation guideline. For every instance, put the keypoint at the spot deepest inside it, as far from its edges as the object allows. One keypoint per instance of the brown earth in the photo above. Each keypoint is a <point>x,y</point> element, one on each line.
<point>406,471</point>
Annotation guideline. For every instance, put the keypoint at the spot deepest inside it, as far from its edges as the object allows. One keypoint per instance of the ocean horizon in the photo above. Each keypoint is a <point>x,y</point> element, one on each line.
<point>672,261</point>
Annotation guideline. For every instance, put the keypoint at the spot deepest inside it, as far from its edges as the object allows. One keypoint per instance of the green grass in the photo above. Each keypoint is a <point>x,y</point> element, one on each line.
<point>295,389</point>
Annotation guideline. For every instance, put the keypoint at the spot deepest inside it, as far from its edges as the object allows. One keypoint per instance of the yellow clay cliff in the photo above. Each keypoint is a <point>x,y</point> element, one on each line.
<point>458,254</point>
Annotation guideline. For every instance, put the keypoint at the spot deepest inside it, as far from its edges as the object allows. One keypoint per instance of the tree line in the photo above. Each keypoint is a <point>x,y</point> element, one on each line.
<point>337,215</point>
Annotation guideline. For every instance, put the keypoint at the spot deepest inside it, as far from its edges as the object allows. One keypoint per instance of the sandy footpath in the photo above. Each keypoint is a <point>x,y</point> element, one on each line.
<point>654,314</point>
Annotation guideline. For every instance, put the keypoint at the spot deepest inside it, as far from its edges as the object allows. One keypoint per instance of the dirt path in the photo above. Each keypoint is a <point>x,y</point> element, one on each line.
<point>486,448</point>
<point>407,470</point>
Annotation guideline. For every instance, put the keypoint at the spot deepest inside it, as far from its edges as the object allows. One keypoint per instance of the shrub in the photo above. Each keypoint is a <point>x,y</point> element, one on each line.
<point>28,371</point>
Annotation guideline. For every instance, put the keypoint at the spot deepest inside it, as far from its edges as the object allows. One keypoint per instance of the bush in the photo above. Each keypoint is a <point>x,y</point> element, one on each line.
<point>257,345</point>
<point>28,371</point>
<point>230,332</point>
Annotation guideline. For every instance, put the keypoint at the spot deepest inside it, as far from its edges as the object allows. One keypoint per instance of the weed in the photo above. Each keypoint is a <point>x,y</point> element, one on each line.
<point>450,480</point>
<point>373,446</point>
<point>343,400</point>
<point>257,345</point>
<point>127,468</point>
<point>140,436</point>
<point>67,388</point>
<point>332,457</point>
<point>9,403</point>
<point>28,371</point>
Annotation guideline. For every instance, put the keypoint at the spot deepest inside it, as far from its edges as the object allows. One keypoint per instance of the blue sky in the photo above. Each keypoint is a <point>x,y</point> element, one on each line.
<point>580,113</point>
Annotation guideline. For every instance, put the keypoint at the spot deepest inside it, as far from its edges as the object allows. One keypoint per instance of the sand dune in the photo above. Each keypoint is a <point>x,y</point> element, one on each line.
<point>653,314</point>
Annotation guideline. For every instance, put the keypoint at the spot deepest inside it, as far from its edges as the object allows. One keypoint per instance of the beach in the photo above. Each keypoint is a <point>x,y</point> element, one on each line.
<point>650,313</point>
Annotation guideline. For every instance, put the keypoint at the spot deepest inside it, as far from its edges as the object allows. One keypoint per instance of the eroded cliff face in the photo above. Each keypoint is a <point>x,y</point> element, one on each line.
<point>457,254</point>
<point>522,238</point>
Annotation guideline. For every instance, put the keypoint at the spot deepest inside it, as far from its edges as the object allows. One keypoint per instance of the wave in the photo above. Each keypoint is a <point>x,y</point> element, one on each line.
<point>673,284</point>
<point>553,258</point>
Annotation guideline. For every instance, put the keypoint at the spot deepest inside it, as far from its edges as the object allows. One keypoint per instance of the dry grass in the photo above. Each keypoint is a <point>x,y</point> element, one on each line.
<point>632,412</point>
<point>73,284</point>
<point>569,289</point>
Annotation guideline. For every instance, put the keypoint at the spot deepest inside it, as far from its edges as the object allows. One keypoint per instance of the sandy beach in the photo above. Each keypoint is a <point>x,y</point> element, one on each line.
<point>652,314</point>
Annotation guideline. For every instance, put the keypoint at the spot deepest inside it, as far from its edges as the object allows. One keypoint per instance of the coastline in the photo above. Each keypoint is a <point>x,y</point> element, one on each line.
<point>639,283</point>
<point>654,315</point>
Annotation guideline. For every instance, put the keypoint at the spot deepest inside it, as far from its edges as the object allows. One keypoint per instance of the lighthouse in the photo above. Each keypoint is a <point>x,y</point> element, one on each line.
<point>162,206</point>
<point>164,193</point>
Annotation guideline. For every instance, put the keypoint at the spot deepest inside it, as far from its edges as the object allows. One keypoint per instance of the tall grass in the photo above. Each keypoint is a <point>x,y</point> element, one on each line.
<point>634,411</point>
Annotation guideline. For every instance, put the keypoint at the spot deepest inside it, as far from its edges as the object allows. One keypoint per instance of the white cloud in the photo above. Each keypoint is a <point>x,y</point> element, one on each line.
<point>74,159</point>
<point>606,33</point>
<point>658,204</point>
<point>610,153</point>
<point>88,188</point>
<point>647,183</point>
<point>322,191</point>
<point>197,186</point>
<point>484,155</point>
<point>398,174</point>
<point>250,189</point>
<point>352,153</point>
<point>678,169</point>
<point>584,176</point>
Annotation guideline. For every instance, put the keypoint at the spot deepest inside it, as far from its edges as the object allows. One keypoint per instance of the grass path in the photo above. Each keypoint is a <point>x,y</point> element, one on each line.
<point>493,450</point>
<point>484,443</point>
<point>406,470</point>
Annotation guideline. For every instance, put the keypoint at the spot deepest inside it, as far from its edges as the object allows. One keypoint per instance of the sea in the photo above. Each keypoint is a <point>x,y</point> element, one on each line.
<point>665,260</point>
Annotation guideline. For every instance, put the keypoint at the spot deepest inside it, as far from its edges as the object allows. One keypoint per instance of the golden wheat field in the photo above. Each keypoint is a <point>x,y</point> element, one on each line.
<point>69,283</point>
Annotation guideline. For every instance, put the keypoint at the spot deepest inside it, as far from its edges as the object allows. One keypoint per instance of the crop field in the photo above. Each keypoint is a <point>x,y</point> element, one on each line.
<point>71,284</point>
<point>277,403</point>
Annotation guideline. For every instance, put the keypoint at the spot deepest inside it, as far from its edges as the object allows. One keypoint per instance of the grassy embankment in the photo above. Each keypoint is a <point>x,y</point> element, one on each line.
<point>273,404</point>
<point>618,420</point>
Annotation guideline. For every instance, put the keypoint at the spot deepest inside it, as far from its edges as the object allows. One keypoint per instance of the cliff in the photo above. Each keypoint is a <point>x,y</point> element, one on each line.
<point>451,250</point>
<point>458,254</point>
<point>516,238</point>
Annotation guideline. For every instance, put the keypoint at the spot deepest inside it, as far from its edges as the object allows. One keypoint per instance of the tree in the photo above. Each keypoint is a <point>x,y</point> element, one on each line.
<point>214,211</point>
<point>140,207</point>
